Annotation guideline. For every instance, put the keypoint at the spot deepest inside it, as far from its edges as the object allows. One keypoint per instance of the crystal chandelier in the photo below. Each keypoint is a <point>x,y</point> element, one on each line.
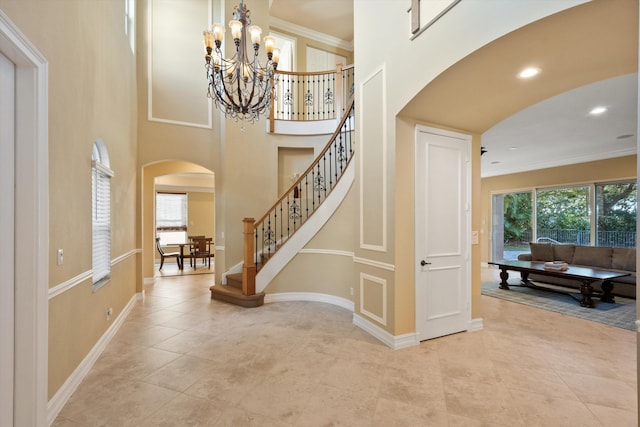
<point>240,86</point>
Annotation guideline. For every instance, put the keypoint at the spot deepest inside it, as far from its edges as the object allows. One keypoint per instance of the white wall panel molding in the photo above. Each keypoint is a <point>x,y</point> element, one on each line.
<point>371,284</point>
<point>326,252</point>
<point>373,171</point>
<point>373,263</point>
<point>169,84</point>
<point>74,281</point>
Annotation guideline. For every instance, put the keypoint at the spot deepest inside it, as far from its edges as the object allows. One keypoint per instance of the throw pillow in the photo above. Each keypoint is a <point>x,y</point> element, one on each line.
<point>541,251</point>
<point>593,256</point>
<point>564,253</point>
<point>624,259</point>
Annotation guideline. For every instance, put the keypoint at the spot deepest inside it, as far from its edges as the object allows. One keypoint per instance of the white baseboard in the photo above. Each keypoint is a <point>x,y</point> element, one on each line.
<point>395,342</point>
<point>61,397</point>
<point>310,296</point>
<point>475,325</point>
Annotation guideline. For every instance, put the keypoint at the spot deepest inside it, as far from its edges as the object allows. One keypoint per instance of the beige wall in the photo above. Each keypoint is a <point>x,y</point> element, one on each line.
<point>92,94</point>
<point>201,214</point>
<point>326,264</point>
<point>619,168</point>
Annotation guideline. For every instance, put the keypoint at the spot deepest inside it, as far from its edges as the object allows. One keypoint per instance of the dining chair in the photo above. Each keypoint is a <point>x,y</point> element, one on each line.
<point>164,255</point>
<point>191,247</point>
<point>201,248</point>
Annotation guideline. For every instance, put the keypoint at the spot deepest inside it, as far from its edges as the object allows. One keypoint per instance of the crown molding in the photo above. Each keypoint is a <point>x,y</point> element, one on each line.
<point>311,34</point>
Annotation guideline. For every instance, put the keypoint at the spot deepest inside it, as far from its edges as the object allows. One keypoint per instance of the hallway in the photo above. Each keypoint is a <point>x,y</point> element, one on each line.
<point>182,359</point>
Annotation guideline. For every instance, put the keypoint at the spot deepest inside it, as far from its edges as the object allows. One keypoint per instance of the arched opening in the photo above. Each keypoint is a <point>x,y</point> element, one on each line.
<point>172,176</point>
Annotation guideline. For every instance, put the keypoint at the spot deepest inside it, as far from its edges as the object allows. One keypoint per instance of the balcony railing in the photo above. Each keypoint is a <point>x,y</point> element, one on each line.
<point>312,96</point>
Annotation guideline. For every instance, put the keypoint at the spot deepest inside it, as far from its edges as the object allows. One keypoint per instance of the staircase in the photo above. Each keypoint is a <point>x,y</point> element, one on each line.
<point>232,293</point>
<point>272,241</point>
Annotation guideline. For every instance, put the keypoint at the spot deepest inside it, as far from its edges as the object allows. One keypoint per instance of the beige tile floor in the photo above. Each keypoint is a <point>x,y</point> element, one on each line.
<point>181,359</point>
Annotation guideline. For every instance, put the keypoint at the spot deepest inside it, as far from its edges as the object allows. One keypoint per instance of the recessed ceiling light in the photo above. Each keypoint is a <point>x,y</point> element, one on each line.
<point>495,162</point>
<point>625,136</point>
<point>529,72</point>
<point>513,148</point>
<point>597,110</point>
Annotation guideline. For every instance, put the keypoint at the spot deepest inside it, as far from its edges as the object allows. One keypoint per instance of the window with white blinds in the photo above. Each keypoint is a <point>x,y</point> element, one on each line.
<point>101,214</point>
<point>171,212</point>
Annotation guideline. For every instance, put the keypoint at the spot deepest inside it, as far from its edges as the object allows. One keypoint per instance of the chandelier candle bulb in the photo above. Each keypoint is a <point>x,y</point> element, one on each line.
<point>269,43</point>
<point>256,33</point>
<point>236,29</point>
<point>218,31</point>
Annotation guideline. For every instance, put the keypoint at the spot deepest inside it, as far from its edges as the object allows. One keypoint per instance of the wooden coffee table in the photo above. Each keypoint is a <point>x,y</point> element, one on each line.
<point>586,276</point>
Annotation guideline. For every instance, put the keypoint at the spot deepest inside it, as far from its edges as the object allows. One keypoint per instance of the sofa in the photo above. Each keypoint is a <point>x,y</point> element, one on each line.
<point>606,258</point>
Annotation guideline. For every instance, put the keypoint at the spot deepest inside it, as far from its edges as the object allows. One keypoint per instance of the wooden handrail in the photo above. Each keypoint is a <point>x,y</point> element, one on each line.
<point>313,163</point>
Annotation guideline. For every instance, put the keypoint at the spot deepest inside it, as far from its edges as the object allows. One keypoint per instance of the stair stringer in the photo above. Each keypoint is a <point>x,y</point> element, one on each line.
<point>306,232</point>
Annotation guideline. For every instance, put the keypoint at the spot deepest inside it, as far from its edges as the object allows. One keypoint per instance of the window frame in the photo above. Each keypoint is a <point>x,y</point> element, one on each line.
<point>101,175</point>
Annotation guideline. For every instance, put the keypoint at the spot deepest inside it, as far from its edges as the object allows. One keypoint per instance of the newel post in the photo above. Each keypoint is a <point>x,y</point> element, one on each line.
<point>249,268</point>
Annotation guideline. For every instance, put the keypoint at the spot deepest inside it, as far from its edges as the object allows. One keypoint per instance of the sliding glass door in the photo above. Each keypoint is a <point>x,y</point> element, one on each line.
<point>592,214</point>
<point>512,224</point>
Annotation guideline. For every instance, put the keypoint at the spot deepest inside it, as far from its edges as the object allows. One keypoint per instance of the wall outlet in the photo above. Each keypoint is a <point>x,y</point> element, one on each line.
<point>60,256</point>
<point>109,313</point>
<point>351,291</point>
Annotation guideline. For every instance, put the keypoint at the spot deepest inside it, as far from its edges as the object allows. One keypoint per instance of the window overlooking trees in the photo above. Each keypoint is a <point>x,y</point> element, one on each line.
<point>517,217</point>
<point>562,215</point>
<point>596,214</point>
<point>616,214</point>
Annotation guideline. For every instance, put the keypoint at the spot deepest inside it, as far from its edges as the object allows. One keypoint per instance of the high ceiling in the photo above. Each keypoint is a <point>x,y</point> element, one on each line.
<point>331,17</point>
<point>584,54</point>
<point>588,56</point>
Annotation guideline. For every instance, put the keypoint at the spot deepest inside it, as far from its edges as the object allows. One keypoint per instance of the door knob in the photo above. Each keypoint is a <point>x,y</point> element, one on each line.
<point>423,263</point>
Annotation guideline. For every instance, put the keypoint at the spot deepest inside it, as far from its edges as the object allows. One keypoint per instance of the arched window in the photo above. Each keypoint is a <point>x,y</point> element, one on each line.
<point>101,214</point>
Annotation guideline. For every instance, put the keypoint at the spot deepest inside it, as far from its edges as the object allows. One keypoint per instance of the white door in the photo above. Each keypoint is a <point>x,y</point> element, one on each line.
<point>7,208</point>
<point>443,227</point>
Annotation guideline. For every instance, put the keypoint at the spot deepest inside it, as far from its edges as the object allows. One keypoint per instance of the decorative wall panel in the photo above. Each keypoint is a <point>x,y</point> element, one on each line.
<point>373,163</point>
<point>373,298</point>
<point>177,91</point>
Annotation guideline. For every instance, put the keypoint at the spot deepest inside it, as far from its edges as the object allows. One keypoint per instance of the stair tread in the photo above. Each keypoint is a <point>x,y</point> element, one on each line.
<point>234,295</point>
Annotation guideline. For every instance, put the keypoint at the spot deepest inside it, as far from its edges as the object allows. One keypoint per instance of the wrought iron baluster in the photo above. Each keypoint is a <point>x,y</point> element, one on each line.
<point>281,224</point>
<point>257,245</point>
<point>306,194</point>
<point>324,166</point>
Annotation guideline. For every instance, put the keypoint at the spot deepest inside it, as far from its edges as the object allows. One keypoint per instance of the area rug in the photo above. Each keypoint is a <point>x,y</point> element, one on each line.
<point>621,314</point>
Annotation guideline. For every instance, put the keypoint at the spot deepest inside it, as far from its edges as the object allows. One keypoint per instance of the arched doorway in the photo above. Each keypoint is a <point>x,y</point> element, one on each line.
<point>170,174</point>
